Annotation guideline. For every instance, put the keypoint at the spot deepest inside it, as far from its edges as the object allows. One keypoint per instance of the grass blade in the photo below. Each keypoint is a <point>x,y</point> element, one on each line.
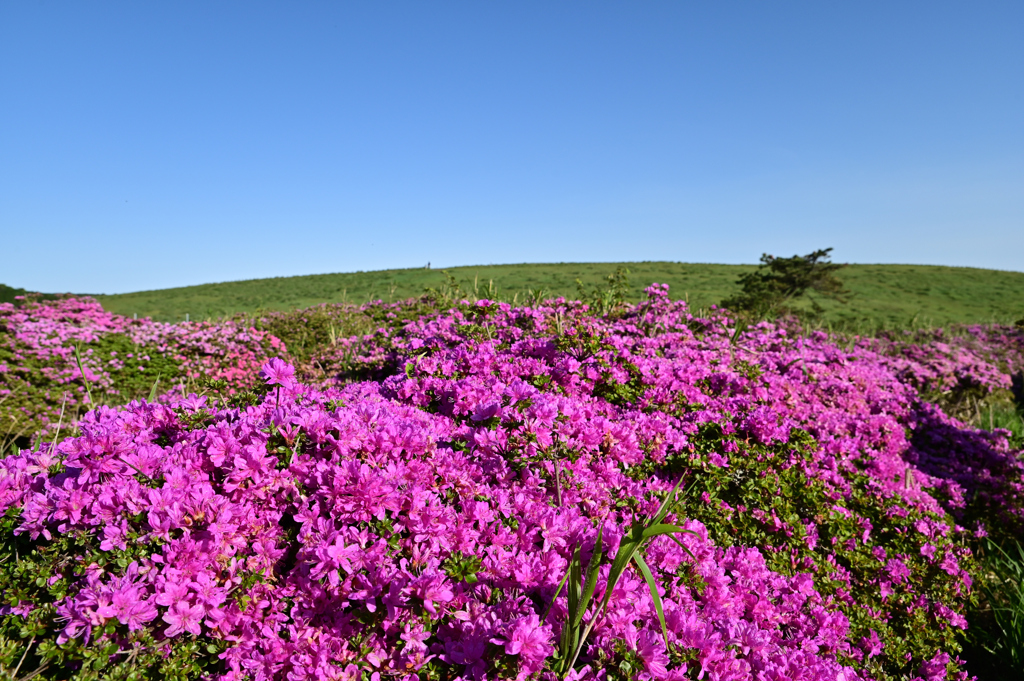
<point>639,560</point>
<point>655,530</point>
<point>629,548</point>
<point>59,422</point>
<point>593,568</point>
<point>555,597</point>
<point>682,545</point>
<point>570,632</point>
<point>575,575</point>
<point>1004,590</point>
<point>664,508</point>
<point>626,550</point>
<point>152,391</point>
<point>88,388</point>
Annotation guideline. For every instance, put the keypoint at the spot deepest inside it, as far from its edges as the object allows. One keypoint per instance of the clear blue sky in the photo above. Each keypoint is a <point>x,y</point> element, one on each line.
<point>146,145</point>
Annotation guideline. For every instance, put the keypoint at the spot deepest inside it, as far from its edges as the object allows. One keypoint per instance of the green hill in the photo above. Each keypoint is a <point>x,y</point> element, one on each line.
<point>884,295</point>
<point>8,293</point>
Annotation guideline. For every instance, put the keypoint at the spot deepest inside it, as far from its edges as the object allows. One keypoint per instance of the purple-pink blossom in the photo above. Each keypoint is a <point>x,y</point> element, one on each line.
<point>329,512</point>
<point>183,617</point>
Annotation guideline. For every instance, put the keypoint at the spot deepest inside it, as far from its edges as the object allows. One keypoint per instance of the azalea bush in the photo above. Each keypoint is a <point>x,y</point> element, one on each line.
<point>43,382</point>
<point>434,497</point>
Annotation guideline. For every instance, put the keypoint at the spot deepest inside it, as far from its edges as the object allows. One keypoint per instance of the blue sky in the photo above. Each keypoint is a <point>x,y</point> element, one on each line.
<point>147,145</point>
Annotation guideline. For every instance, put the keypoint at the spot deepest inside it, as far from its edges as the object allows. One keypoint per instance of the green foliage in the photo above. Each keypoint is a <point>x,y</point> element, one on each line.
<point>447,294</point>
<point>581,583</point>
<point>980,408</point>
<point>998,412</point>
<point>304,332</point>
<point>765,499</point>
<point>310,331</point>
<point>81,370</point>
<point>39,571</point>
<point>134,369</point>
<point>461,568</point>
<point>37,394</point>
<point>630,392</point>
<point>999,639</point>
<point>33,402</point>
<point>771,290</point>
<point>884,296</point>
<point>227,397</point>
<point>611,294</point>
<point>8,294</point>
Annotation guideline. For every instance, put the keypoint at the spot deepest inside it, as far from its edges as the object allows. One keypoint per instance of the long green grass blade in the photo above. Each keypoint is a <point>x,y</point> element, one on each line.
<point>565,644</point>
<point>655,530</point>
<point>593,569</point>
<point>152,391</point>
<point>561,585</point>
<point>575,576</point>
<point>653,586</point>
<point>570,631</point>
<point>682,545</point>
<point>670,498</point>
<point>81,370</point>
<point>626,550</point>
<point>639,533</point>
<point>1003,587</point>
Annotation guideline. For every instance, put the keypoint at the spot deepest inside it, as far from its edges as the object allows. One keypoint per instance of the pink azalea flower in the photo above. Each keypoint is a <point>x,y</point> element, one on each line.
<point>184,617</point>
<point>278,372</point>
<point>529,639</point>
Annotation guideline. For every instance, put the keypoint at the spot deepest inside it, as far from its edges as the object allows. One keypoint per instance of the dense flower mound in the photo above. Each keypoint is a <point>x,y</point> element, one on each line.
<point>862,401</point>
<point>419,525</point>
<point>122,359</point>
<point>323,533</point>
<point>956,370</point>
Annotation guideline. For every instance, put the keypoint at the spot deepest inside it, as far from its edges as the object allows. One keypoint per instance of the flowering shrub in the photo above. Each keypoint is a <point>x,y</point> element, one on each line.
<point>122,359</point>
<point>419,525</point>
<point>957,372</point>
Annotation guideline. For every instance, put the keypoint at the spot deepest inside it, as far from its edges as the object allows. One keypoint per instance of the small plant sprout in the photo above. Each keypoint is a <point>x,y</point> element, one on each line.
<point>581,585</point>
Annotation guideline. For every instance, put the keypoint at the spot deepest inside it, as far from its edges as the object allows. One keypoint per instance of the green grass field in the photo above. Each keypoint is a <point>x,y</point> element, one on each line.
<point>884,295</point>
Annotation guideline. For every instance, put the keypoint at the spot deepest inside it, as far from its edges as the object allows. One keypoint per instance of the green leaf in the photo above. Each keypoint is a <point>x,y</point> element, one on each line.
<point>593,569</point>
<point>152,391</point>
<point>555,597</point>
<point>682,545</point>
<point>88,387</point>
<point>653,586</point>
<point>570,632</point>
<point>655,530</point>
<point>664,509</point>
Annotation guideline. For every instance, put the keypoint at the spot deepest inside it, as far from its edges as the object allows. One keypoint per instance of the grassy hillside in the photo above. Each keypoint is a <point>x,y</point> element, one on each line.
<point>7,293</point>
<point>707,284</point>
<point>886,295</point>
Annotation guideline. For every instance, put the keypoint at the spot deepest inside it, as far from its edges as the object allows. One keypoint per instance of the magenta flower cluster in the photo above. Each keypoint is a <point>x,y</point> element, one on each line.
<point>419,526</point>
<point>39,341</point>
<point>382,502</point>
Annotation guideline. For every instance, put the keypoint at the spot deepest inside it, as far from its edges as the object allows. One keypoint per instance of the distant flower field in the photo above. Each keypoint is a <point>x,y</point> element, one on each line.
<point>475,490</point>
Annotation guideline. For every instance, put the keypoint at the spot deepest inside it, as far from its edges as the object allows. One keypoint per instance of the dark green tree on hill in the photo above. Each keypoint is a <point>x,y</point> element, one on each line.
<point>771,289</point>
